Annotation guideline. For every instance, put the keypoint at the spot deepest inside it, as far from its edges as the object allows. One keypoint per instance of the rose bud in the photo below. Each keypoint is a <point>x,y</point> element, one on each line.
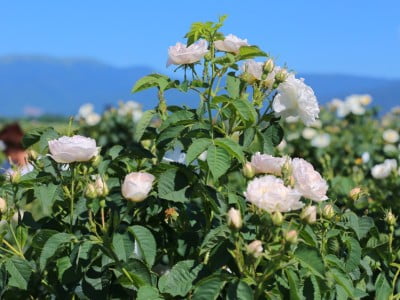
<point>137,186</point>
<point>309,214</point>
<point>255,248</point>
<point>73,149</point>
<point>101,187</point>
<point>281,76</point>
<point>234,219</point>
<point>269,66</point>
<point>328,211</point>
<point>3,205</point>
<point>91,191</point>
<point>249,170</point>
<point>390,218</point>
<point>291,236</point>
<point>277,218</point>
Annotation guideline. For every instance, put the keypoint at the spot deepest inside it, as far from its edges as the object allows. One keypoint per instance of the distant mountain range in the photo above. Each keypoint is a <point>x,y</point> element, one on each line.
<point>34,85</point>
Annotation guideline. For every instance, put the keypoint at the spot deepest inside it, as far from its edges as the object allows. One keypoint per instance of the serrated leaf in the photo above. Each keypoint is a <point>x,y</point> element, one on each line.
<point>245,110</point>
<point>382,287</point>
<point>196,148</point>
<point>232,147</point>
<point>149,81</point>
<point>208,288</point>
<point>294,285</point>
<point>354,254</point>
<point>148,293</point>
<point>179,280</point>
<point>115,151</point>
<point>51,246</point>
<point>233,86</point>
<point>144,239</point>
<point>178,118</point>
<point>214,237</point>
<point>218,161</point>
<point>310,258</point>
<point>343,281</point>
<point>143,123</point>
<point>247,52</point>
<point>46,195</point>
<point>273,134</point>
<point>172,185</point>
<point>20,272</point>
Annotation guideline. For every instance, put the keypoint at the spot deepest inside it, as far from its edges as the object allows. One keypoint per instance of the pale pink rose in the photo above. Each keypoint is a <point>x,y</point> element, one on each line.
<point>231,43</point>
<point>270,193</point>
<point>76,148</point>
<point>267,164</point>
<point>3,205</point>
<point>308,181</point>
<point>180,54</point>
<point>255,248</point>
<point>137,186</point>
<point>253,68</point>
<point>235,218</point>
<point>309,214</point>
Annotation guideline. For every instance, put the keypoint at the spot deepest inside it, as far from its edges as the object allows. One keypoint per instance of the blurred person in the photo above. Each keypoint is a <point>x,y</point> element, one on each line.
<point>11,135</point>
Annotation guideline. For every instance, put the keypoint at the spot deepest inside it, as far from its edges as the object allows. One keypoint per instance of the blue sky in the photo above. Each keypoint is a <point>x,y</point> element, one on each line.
<point>336,36</point>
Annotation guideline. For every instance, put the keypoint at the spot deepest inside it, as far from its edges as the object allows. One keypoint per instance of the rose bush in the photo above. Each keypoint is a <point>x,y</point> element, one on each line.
<point>202,203</point>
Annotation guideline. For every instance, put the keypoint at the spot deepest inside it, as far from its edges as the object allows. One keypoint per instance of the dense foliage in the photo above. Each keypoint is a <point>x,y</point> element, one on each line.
<point>166,209</point>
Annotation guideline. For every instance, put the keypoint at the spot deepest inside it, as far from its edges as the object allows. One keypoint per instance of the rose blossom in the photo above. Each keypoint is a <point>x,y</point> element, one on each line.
<point>269,193</point>
<point>321,140</point>
<point>309,214</point>
<point>390,136</point>
<point>295,98</point>
<point>253,68</point>
<point>180,54</point>
<point>137,186</point>
<point>308,133</point>
<point>267,164</point>
<point>76,148</point>
<point>308,181</point>
<point>231,43</point>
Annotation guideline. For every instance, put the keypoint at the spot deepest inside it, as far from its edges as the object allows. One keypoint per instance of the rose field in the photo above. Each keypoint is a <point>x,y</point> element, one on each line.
<point>258,192</point>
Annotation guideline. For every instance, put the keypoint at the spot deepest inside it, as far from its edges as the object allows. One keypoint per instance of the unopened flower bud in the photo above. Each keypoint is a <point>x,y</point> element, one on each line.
<point>101,187</point>
<point>91,191</point>
<point>247,77</point>
<point>328,211</point>
<point>32,155</point>
<point>249,170</point>
<point>277,218</point>
<point>146,144</point>
<point>234,219</point>
<point>281,76</point>
<point>309,214</point>
<point>390,218</point>
<point>269,66</point>
<point>255,248</point>
<point>15,176</point>
<point>3,205</point>
<point>96,160</point>
<point>355,193</point>
<point>291,236</point>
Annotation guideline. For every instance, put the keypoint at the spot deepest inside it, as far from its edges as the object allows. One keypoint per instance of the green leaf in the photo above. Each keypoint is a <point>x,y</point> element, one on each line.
<point>311,288</point>
<point>343,280</point>
<point>146,243</point>
<point>354,254</point>
<point>208,288</point>
<point>51,246</point>
<point>382,287</point>
<point>233,86</point>
<point>196,148</point>
<point>123,246</point>
<point>143,123</point>
<point>273,134</point>
<point>46,196</point>
<point>213,238</point>
<point>247,52</point>
<point>218,161</point>
<point>21,234</point>
<point>63,264</point>
<point>232,147</point>
<point>20,272</point>
<point>239,291</point>
<point>115,151</point>
<point>310,258</point>
<point>294,285</point>
<point>178,118</point>
<point>149,81</point>
<point>139,274</point>
<point>361,226</point>
<point>148,293</point>
<point>245,110</point>
<point>179,281</point>
<point>172,186</point>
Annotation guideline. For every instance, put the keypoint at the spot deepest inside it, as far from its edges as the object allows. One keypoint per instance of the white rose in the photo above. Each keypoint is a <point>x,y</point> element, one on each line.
<point>308,181</point>
<point>85,110</point>
<point>381,171</point>
<point>253,68</point>
<point>231,43</point>
<point>73,149</point>
<point>365,157</point>
<point>365,99</point>
<point>3,205</point>
<point>308,133</point>
<point>354,105</point>
<point>390,136</point>
<point>295,98</point>
<point>180,54</point>
<point>92,119</point>
<point>137,186</point>
<point>321,140</point>
<point>269,193</point>
<point>234,218</point>
<point>309,214</point>
<point>392,163</point>
<point>267,164</point>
